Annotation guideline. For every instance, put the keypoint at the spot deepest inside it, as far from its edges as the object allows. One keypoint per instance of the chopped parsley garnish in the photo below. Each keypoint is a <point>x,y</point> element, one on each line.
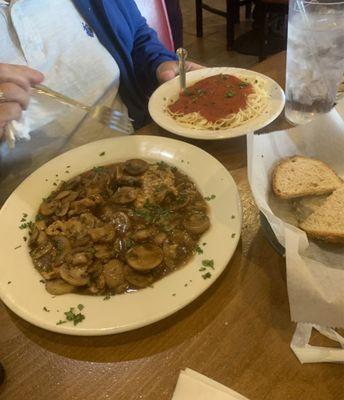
<point>18,247</point>
<point>25,225</point>
<point>198,249</point>
<point>24,215</point>
<point>233,216</point>
<point>204,243</point>
<point>9,282</point>
<point>39,217</point>
<point>73,315</point>
<point>129,243</point>
<point>152,213</point>
<point>211,197</point>
<point>42,280</point>
<point>202,269</point>
<point>102,154</point>
<point>98,169</point>
<point>233,235</point>
<point>243,85</point>
<point>45,309</point>
<point>24,238</point>
<point>162,164</point>
<point>107,297</point>
<point>207,275</point>
<point>208,263</point>
<point>229,94</point>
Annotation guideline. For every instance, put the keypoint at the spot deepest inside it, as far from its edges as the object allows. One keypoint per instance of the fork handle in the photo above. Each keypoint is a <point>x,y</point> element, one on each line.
<point>41,89</point>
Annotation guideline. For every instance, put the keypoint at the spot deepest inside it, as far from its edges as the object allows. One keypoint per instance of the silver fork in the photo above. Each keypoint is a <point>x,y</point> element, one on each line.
<point>110,117</point>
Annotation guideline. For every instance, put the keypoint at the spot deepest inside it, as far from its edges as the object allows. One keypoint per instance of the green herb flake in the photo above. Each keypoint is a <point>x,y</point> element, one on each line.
<point>243,85</point>
<point>233,216</point>
<point>24,215</point>
<point>98,169</point>
<point>81,307</point>
<point>18,247</point>
<point>198,249</point>
<point>45,309</point>
<point>9,282</point>
<point>42,280</point>
<point>60,322</point>
<point>211,197</point>
<point>185,285</point>
<point>39,217</point>
<point>229,94</point>
<point>72,316</point>
<point>202,269</point>
<point>102,154</point>
<point>233,235</point>
<point>204,243</point>
<point>206,275</point>
<point>173,294</point>
<point>208,263</point>
<point>107,297</point>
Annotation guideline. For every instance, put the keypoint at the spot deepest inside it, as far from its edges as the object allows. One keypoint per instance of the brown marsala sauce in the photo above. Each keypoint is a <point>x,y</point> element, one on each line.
<point>214,97</point>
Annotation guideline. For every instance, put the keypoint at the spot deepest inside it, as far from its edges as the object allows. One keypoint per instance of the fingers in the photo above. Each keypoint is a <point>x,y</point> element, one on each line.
<point>20,75</point>
<point>9,112</point>
<point>14,93</point>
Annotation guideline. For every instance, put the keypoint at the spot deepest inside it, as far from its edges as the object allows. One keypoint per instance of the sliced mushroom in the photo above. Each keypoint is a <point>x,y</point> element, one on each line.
<point>54,273</point>
<point>196,223</point>
<point>98,285</point>
<point>62,246</point>
<point>41,250</point>
<point>47,208</point>
<point>80,258</point>
<point>105,233</point>
<point>76,276</point>
<point>124,195</point>
<point>56,228</point>
<point>62,209</point>
<point>135,166</point>
<point>58,286</point>
<point>159,238</point>
<point>114,273</point>
<point>144,257</point>
<point>143,234</point>
<point>103,252</point>
<point>62,194</point>
<point>137,279</point>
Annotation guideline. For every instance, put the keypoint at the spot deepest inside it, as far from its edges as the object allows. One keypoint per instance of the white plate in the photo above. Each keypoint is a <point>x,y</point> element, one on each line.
<point>170,89</point>
<point>26,295</point>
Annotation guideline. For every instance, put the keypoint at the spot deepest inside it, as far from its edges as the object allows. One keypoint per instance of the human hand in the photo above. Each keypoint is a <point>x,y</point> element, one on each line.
<point>169,69</point>
<point>15,89</point>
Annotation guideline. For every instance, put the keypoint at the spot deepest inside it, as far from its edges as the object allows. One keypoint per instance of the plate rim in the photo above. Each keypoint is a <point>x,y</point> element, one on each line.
<point>221,133</point>
<point>79,330</point>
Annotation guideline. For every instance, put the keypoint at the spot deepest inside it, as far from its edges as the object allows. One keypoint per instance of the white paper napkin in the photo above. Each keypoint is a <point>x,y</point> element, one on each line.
<point>315,272</point>
<point>192,385</point>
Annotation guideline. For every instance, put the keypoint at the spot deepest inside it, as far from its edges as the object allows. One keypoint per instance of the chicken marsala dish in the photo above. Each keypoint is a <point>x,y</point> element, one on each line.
<point>117,228</point>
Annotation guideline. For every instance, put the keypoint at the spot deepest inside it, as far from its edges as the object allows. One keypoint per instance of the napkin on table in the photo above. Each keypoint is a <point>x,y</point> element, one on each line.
<point>192,385</point>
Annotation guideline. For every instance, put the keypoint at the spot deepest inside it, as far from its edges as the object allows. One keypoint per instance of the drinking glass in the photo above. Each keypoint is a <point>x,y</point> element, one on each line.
<point>315,58</point>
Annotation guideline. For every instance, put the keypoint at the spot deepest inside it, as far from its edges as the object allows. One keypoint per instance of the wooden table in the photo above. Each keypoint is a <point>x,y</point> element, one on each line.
<point>237,333</point>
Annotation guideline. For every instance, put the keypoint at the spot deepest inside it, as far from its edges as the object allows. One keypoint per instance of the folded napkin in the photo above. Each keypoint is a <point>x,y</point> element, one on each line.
<point>194,386</point>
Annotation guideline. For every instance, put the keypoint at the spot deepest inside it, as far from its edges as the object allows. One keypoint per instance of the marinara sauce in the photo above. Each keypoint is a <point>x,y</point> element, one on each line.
<point>214,97</point>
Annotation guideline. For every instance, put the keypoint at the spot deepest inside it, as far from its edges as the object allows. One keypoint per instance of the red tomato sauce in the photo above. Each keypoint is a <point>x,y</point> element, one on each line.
<point>214,97</point>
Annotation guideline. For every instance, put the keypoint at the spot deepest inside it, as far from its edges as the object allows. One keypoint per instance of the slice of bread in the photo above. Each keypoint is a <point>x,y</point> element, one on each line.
<point>299,176</point>
<point>306,205</point>
<point>327,221</point>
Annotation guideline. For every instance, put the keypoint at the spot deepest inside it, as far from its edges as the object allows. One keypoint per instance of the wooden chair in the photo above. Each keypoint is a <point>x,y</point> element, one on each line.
<point>156,15</point>
<point>267,8</point>
<point>232,15</point>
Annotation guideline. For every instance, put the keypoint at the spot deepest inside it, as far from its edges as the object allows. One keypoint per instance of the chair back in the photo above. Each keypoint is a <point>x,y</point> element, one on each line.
<point>156,15</point>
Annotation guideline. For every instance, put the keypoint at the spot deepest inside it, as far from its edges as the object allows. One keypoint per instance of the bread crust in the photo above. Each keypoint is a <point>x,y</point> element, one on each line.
<point>315,191</point>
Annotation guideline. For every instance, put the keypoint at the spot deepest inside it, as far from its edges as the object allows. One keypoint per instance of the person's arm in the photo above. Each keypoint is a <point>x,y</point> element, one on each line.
<point>15,88</point>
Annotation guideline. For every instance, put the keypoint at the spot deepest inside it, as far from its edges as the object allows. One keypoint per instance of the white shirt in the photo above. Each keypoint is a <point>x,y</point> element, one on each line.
<point>52,37</point>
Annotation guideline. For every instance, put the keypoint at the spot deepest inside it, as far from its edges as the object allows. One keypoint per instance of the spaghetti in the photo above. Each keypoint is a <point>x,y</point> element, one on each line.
<point>220,101</point>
